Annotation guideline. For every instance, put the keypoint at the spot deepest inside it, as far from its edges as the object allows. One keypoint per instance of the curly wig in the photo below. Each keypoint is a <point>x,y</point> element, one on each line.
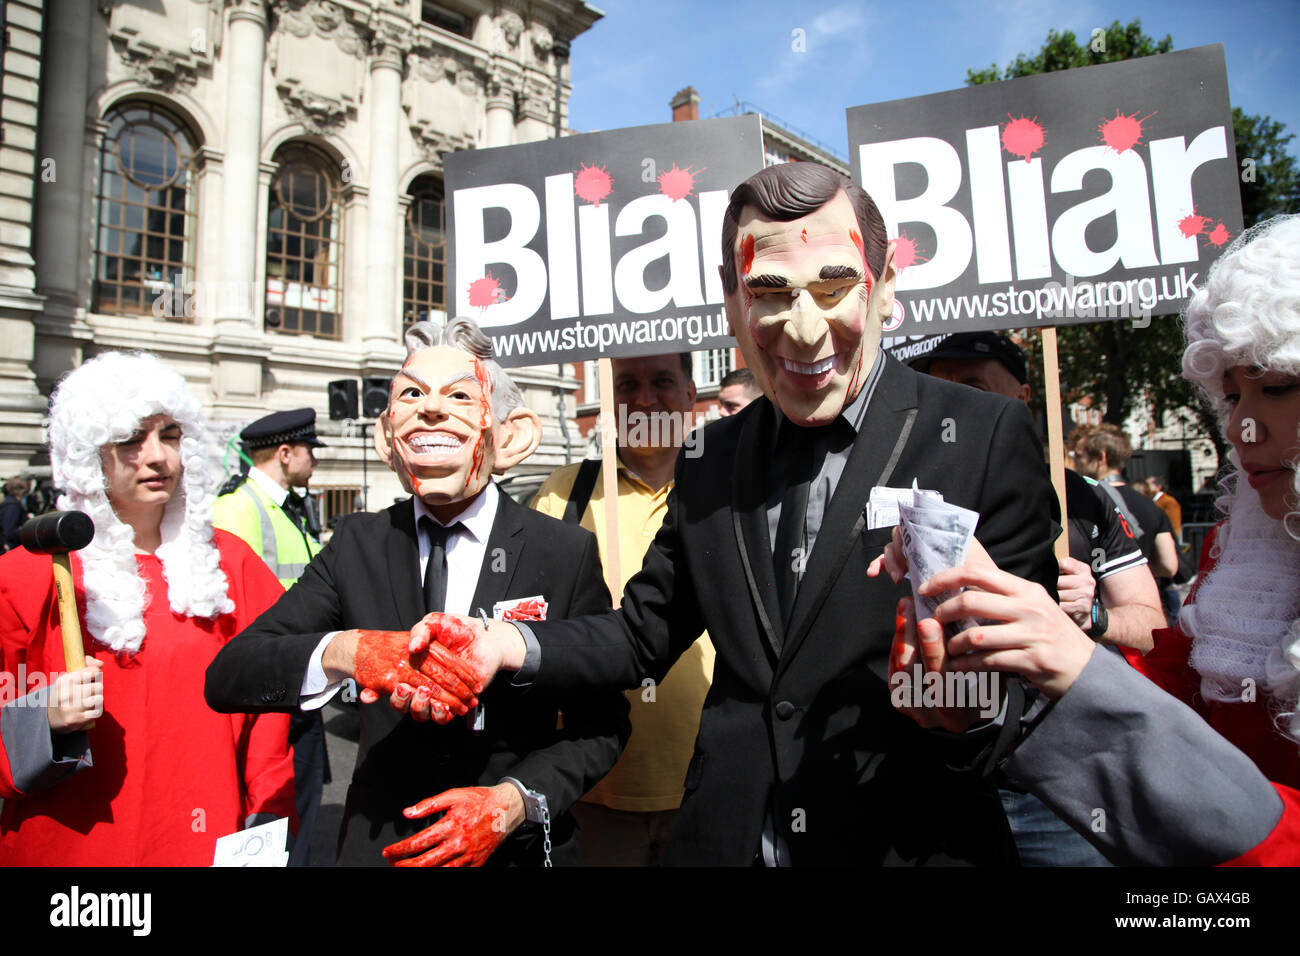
<point>102,403</point>
<point>1244,623</point>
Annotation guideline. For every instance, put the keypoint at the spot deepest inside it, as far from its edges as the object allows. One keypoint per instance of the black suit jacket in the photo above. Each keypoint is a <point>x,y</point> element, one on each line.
<point>368,577</point>
<point>800,720</point>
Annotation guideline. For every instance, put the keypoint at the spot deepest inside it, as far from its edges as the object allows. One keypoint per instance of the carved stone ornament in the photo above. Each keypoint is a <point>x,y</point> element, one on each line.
<point>325,19</point>
<point>159,69</point>
<point>433,142</point>
<point>542,41</point>
<point>314,111</point>
<point>512,26</point>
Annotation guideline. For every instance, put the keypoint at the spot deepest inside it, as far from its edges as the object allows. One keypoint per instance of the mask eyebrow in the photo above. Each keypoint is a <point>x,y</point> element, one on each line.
<point>415,378</point>
<point>462,377</point>
<point>840,272</point>
<point>767,282</point>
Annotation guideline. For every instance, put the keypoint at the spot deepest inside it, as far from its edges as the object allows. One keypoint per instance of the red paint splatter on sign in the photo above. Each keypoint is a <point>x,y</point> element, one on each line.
<point>592,183</point>
<point>677,183</point>
<point>1122,132</point>
<point>747,254</point>
<point>905,252</point>
<point>485,292</point>
<point>1219,235</point>
<point>1192,224</point>
<point>1023,137</point>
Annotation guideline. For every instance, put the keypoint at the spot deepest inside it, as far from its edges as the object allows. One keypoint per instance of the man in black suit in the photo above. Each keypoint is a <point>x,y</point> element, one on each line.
<point>800,757</point>
<point>453,418</point>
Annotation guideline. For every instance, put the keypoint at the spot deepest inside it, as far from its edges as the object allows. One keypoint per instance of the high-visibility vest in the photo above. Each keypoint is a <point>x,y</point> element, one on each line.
<point>249,513</point>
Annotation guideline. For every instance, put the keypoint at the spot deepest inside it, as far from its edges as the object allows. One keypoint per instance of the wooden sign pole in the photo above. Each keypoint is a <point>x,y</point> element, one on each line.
<point>1055,444</point>
<point>609,479</point>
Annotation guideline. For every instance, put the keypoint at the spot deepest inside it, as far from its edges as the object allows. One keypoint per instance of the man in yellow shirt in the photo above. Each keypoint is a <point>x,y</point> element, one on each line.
<point>626,819</point>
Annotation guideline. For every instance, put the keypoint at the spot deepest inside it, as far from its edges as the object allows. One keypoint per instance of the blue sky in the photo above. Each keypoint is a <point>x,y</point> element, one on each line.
<point>628,66</point>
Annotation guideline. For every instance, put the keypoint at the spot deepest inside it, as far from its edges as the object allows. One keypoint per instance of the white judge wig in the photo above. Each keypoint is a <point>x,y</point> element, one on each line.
<point>102,403</point>
<point>1244,622</point>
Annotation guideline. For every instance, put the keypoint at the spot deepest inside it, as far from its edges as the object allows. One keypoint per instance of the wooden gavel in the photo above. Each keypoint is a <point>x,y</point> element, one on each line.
<point>57,534</point>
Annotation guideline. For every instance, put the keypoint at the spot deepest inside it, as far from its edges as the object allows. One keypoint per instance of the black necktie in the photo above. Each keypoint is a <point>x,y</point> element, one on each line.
<point>435,572</point>
<point>797,449</point>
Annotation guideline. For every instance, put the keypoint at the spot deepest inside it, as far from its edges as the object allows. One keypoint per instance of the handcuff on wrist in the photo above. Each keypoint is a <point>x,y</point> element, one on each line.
<point>536,811</point>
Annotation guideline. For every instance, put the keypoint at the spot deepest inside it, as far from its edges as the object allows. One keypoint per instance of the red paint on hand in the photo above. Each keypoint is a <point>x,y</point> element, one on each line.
<point>1122,132</point>
<point>473,824</point>
<point>1023,137</point>
<point>593,184</point>
<point>678,183</point>
<point>382,662</point>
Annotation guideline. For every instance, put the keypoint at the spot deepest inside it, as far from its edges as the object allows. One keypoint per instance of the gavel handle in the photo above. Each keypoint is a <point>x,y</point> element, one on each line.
<point>74,653</point>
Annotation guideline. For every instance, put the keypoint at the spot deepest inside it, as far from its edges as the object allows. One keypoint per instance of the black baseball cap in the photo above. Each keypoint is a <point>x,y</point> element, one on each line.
<point>978,345</point>
<point>298,425</point>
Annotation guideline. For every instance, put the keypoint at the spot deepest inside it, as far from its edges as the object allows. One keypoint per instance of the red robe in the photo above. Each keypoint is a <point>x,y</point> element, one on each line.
<point>169,774</point>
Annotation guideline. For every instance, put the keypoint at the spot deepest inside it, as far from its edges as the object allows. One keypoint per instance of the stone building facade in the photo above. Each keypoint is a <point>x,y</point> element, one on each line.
<point>252,190</point>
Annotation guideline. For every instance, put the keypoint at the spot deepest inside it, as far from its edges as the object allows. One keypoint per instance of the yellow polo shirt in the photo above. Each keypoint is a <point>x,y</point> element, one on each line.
<point>649,775</point>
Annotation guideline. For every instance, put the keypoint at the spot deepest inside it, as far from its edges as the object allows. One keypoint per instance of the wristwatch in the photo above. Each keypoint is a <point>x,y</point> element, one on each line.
<point>1100,620</point>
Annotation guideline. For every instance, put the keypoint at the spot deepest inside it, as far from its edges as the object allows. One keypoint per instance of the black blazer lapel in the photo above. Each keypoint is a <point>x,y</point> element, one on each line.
<point>749,481</point>
<point>402,550</point>
<point>501,558</point>
<point>884,434</point>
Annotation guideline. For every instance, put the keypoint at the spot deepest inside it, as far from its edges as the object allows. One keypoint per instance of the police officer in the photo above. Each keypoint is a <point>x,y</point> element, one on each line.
<point>276,522</point>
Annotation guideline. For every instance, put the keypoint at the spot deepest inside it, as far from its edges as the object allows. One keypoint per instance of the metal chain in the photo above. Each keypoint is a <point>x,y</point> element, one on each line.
<point>546,833</point>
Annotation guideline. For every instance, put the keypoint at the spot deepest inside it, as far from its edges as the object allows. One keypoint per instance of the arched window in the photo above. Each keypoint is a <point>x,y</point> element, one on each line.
<point>144,254</point>
<point>304,245</point>
<point>425,260</point>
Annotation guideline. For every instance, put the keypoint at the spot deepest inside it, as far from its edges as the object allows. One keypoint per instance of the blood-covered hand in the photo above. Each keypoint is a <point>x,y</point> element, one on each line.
<point>432,681</point>
<point>917,651</point>
<point>469,649</point>
<point>477,820</point>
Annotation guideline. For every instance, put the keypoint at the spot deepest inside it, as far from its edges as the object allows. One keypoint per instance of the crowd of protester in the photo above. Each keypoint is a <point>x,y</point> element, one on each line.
<point>1138,700</point>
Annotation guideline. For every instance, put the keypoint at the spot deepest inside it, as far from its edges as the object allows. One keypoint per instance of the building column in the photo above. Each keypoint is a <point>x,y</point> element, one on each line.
<point>60,204</point>
<point>500,110</point>
<point>381,318</point>
<point>245,52</point>
<point>23,169</point>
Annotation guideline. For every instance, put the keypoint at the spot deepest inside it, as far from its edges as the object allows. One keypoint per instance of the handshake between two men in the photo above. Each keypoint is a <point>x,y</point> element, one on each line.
<point>434,673</point>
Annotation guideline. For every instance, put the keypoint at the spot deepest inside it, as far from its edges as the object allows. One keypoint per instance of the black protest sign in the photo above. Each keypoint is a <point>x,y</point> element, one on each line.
<point>1076,196</point>
<point>599,245</point>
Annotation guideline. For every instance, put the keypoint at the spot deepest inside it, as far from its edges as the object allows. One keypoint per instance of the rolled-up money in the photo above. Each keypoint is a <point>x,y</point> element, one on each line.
<point>936,535</point>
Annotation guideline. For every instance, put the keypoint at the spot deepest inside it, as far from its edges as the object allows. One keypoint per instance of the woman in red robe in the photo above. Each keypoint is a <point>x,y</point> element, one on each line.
<point>122,762</point>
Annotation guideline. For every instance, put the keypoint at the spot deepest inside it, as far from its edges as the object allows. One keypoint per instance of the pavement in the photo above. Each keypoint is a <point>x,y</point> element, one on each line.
<point>342,732</point>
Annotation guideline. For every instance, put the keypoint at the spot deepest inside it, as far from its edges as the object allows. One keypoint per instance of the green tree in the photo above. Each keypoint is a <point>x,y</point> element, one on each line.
<point>1115,362</point>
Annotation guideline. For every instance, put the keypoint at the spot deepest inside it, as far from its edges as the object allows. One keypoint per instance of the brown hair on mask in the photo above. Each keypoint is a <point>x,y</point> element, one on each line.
<point>791,191</point>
